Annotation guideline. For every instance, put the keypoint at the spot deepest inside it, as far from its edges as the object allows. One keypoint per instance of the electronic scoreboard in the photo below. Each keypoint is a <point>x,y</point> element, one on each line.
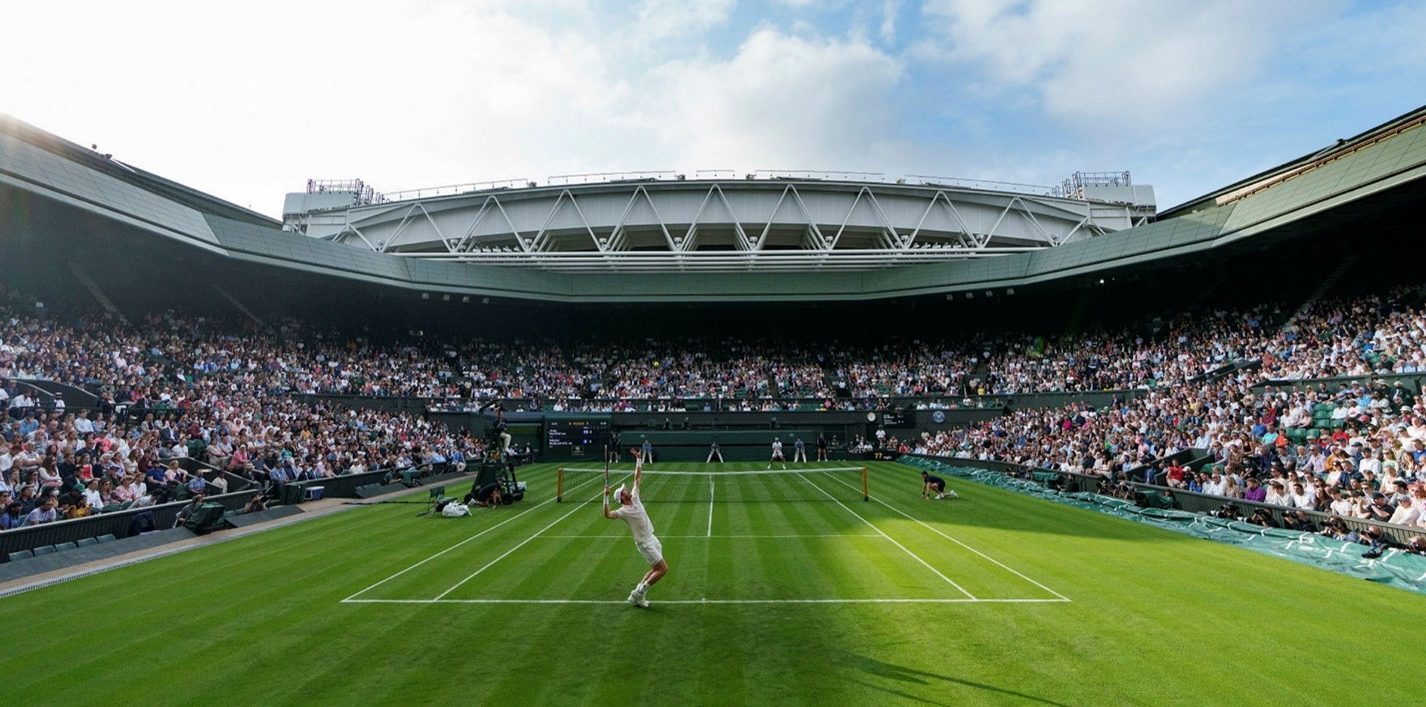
<point>576,438</point>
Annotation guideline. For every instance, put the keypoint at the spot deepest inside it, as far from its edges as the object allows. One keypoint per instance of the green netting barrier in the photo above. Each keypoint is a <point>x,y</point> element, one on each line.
<point>1394,567</point>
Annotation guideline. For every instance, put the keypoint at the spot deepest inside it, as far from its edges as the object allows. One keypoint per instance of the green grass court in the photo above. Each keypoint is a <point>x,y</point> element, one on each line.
<point>785,588</point>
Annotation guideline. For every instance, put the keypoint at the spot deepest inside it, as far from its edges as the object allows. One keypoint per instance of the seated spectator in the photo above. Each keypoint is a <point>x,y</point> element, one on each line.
<point>1255,491</point>
<point>1216,485</point>
<point>91,496</point>
<point>13,516</point>
<point>1340,504</point>
<point>1406,513</point>
<point>1276,494</point>
<point>28,498</point>
<point>44,513</point>
<point>196,485</point>
<point>1378,509</point>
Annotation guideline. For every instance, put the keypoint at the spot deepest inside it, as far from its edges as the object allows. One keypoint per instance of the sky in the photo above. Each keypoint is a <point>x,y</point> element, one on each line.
<point>248,100</point>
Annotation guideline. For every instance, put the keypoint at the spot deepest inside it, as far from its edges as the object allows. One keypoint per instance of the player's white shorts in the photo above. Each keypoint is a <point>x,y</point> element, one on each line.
<point>652,550</point>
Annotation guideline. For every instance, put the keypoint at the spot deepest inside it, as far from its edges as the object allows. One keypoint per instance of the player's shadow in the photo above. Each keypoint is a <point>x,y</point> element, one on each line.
<point>916,676</point>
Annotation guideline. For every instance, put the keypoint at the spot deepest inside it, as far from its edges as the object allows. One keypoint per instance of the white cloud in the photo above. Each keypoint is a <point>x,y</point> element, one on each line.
<point>1115,63</point>
<point>439,93</point>
<point>889,10</point>
<point>672,18</point>
<point>781,102</point>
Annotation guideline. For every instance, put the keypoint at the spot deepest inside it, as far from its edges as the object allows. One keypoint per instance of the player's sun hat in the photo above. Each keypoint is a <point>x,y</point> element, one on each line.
<point>617,499</point>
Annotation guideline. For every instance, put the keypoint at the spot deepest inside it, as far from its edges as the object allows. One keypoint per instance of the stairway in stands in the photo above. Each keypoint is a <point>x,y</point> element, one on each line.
<point>1323,288</point>
<point>96,291</point>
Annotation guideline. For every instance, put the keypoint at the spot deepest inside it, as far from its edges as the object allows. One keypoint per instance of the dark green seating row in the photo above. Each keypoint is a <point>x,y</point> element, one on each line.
<point>62,547</point>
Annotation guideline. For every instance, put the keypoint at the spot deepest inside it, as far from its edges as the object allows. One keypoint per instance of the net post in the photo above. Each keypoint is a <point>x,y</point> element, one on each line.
<point>865,495</point>
<point>559,485</point>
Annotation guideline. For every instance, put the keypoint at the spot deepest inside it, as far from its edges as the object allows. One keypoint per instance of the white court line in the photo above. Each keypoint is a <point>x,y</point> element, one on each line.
<point>724,537</point>
<point>888,537</point>
<point>442,552</point>
<point>577,508</point>
<point>706,601</point>
<point>937,531</point>
<point>710,506</point>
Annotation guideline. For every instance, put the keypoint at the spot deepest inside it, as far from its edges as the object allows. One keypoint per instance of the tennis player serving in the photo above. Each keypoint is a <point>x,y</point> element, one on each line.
<point>629,508</point>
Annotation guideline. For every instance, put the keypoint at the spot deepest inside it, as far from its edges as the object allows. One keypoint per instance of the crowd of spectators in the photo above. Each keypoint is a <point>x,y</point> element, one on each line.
<point>174,389</point>
<point>1355,451</point>
<point>172,386</point>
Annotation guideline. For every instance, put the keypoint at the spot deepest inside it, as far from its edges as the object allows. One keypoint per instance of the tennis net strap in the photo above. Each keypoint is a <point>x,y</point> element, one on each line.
<point>813,484</point>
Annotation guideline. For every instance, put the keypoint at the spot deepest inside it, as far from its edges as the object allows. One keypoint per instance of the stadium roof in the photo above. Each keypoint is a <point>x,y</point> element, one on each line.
<point>1384,165</point>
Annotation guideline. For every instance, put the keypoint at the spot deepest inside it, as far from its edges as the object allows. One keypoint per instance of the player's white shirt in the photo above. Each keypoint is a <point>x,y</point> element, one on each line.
<point>777,446</point>
<point>638,519</point>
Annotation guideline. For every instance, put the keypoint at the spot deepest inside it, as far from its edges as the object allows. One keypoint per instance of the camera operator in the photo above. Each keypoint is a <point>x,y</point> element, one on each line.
<point>1262,517</point>
<point>1229,511</point>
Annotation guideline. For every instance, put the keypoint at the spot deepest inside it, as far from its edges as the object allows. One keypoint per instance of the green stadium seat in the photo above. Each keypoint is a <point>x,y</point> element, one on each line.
<point>65,546</point>
<point>44,550</point>
<point>86,542</point>
<point>21,555</point>
<point>106,538</point>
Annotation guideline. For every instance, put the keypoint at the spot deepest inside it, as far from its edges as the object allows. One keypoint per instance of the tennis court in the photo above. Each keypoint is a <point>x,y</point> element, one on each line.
<point>785,596</point>
<point>732,534</point>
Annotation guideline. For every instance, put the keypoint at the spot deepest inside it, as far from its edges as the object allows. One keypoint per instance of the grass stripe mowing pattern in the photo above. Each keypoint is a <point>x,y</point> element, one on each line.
<point>1154,617</point>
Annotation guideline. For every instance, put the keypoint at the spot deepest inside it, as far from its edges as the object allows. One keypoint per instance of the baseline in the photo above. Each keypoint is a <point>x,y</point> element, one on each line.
<point>685,602</point>
<point>722,537</point>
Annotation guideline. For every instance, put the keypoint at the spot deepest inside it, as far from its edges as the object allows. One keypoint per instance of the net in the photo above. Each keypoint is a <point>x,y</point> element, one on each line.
<point>813,484</point>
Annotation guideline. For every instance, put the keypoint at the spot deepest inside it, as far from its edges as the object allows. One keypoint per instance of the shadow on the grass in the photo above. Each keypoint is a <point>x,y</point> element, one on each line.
<point>917,676</point>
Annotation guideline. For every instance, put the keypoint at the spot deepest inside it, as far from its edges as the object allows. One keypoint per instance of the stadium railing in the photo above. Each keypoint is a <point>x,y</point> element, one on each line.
<point>120,524</point>
<point>74,397</point>
<point>345,486</point>
<point>729,405</point>
<point>1411,381</point>
<point>195,466</point>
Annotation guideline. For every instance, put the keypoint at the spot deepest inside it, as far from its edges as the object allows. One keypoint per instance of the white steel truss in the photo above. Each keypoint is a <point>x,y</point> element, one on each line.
<point>721,225</point>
